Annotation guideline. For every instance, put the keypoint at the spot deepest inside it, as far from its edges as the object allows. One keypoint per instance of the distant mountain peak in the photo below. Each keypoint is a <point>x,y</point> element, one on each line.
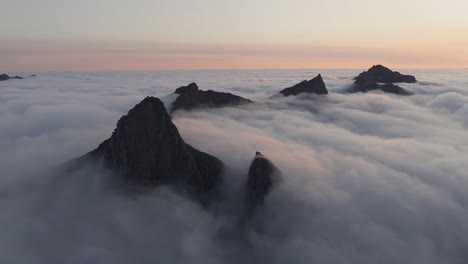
<point>315,86</point>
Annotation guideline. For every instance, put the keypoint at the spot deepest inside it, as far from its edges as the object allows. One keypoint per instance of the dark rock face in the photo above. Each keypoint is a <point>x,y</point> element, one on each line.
<point>146,148</point>
<point>315,85</point>
<point>191,88</point>
<point>388,88</point>
<point>190,97</point>
<point>381,74</point>
<point>395,89</point>
<point>263,175</point>
<point>373,78</point>
<point>4,77</point>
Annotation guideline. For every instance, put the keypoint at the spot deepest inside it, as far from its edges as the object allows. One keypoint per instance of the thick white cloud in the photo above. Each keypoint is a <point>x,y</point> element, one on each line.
<point>367,177</point>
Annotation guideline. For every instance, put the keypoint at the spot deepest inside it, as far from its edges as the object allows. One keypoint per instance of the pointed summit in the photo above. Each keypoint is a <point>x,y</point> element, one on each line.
<point>146,147</point>
<point>315,86</point>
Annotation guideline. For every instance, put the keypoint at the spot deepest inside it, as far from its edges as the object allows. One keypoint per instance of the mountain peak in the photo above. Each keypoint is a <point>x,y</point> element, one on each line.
<point>315,86</point>
<point>147,148</point>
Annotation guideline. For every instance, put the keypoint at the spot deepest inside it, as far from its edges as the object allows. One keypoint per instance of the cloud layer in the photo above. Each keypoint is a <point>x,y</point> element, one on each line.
<point>368,177</point>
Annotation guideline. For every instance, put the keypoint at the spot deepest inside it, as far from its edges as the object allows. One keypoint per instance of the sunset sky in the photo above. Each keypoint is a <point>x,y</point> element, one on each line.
<point>88,35</point>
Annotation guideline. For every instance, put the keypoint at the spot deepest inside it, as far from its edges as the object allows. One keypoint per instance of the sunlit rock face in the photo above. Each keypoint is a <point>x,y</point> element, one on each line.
<point>314,86</point>
<point>191,97</point>
<point>146,148</point>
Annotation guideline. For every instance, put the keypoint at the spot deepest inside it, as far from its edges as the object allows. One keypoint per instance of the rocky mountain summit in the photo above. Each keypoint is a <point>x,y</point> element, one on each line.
<point>190,97</point>
<point>315,86</point>
<point>381,78</point>
<point>146,148</point>
<point>382,74</point>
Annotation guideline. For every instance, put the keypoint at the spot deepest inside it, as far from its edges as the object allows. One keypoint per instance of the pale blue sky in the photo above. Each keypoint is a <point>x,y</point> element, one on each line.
<point>175,34</point>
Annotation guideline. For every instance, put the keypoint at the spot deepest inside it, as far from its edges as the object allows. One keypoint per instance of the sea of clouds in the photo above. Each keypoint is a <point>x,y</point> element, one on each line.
<point>367,178</point>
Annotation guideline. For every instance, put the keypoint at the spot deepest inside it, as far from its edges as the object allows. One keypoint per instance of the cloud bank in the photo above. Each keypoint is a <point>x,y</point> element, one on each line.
<point>367,177</point>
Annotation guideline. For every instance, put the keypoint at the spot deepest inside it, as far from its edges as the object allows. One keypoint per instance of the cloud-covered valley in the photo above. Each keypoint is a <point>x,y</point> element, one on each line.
<point>368,178</point>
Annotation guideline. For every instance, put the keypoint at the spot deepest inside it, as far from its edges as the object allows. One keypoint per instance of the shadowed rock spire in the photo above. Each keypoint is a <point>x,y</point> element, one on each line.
<point>262,177</point>
<point>315,86</point>
<point>146,148</point>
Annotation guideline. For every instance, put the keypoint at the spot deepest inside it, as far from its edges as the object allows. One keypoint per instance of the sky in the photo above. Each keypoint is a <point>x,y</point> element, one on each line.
<point>66,35</point>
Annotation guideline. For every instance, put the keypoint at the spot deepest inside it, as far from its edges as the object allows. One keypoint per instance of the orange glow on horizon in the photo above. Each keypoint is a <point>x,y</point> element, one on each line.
<point>28,56</point>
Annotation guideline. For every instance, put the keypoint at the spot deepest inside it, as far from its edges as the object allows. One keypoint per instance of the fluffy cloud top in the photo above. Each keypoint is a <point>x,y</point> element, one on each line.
<point>367,177</point>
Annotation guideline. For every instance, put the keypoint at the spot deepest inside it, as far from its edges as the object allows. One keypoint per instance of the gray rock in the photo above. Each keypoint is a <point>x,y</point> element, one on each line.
<point>315,86</point>
<point>146,148</point>
<point>190,97</point>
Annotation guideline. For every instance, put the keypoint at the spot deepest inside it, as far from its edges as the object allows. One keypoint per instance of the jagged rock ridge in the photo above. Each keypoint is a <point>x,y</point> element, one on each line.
<point>381,74</point>
<point>382,78</point>
<point>315,86</point>
<point>146,148</point>
<point>191,97</point>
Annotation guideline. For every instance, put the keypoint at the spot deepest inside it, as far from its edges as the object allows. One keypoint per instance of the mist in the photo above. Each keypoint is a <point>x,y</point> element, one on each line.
<point>367,178</point>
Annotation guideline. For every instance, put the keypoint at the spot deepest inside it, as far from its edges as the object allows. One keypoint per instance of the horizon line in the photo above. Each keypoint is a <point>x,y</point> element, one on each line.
<point>228,69</point>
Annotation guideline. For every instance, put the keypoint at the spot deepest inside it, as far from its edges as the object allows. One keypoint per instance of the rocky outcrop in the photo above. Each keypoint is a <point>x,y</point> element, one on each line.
<point>315,86</point>
<point>381,78</point>
<point>146,148</point>
<point>191,97</point>
<point>388,88</point>
<point>262,177</point>
<point>5,77</point>
<point>191,88</point>
<point>381,74</point>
